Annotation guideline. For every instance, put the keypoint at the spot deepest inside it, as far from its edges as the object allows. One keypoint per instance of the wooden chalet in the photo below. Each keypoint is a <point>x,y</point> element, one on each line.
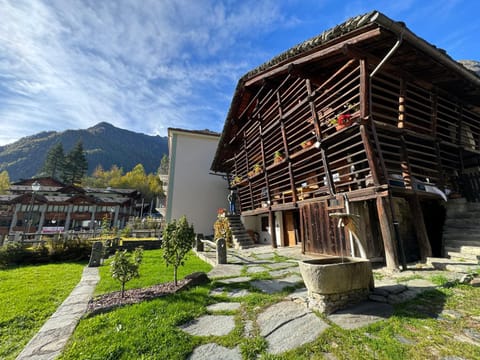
<point>367,119</point>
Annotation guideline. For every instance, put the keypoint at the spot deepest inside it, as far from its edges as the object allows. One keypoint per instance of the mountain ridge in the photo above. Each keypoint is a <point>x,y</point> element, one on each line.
<point>104,144</point>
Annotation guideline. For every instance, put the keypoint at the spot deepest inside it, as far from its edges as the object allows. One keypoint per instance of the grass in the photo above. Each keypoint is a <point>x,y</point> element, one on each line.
<point>152,271</point>
<point>28,296</point>
<point>147,330</point>
<point>419,329</point>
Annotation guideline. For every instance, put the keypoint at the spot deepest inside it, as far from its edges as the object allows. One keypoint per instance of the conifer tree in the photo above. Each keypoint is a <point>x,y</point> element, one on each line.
<point>75,166</point>
<point>54,162</point>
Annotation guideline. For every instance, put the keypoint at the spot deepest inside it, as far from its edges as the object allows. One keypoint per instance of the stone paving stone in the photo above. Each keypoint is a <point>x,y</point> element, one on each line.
<point>276,285</point>
<point>214,351</point>
<point>248,329</point>
<point>282,265</point>
<point>207,325</point>
<point>224,306</point>
<point>402,297</point>
<point>287,325</point>
<point>299,294</point>
<point>380,292</point>
<point>465,339</point>
<point>225,270</point>
<point>394,289</point>
<point>295,333</point>
<point>378,298</point>
<point>283,272</point>
<point>235,280</point>
<point>256,269</point>
<point>277,314</point>
<point>451,314</point>
<point>361,314</point>
<point>472,334</point>
<point>266,256</point>
<point>235,293</point>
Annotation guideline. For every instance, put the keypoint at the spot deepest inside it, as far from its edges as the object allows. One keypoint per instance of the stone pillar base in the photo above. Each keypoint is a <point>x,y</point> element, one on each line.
<point>329,303</point>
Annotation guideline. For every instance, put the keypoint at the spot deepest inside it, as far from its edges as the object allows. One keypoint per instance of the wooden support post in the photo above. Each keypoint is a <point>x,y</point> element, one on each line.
<point>302,229</point>
<point>313,110</point>
<point>364,90</point>
<point>389,245</point>
<point>420,228</point>
<point>262,148</point>
<point>273,231</point>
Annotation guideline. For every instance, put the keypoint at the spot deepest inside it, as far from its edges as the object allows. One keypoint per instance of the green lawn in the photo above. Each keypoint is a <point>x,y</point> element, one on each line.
<point>152,271</point>
<point>28,296</point>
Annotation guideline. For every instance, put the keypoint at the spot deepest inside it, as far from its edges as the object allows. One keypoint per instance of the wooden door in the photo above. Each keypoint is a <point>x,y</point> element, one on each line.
<point>289,229</point>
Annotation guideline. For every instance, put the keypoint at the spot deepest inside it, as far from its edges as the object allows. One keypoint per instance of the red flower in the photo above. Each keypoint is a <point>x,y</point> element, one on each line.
<point>344,119</point>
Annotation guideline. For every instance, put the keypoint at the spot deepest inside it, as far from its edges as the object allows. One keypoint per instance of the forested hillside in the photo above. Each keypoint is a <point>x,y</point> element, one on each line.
<point>103,143</point>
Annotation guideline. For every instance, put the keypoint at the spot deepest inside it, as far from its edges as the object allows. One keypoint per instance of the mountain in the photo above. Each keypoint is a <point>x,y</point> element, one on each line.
<point>104,145</point>
<point>471,65</point>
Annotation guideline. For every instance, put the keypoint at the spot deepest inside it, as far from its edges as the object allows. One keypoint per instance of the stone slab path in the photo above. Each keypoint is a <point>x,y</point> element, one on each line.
<point>290,323</point>
<point>287,325</point>
<point>49,342</point>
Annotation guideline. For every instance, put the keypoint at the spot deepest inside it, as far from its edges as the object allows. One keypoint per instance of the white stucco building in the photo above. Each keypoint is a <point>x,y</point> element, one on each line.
<point>192,190</point>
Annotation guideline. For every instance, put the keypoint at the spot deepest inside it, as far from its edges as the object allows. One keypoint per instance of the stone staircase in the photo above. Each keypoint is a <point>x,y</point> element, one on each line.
<point>241,238</point>
<point>461,232</point>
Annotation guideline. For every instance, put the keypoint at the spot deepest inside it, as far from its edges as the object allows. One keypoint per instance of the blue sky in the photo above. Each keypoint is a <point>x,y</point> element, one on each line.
<point>146,65</point>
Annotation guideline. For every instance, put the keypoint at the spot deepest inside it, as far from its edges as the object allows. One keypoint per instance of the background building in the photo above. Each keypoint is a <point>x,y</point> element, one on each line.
<point>192,190</point>
<point>44,205</point>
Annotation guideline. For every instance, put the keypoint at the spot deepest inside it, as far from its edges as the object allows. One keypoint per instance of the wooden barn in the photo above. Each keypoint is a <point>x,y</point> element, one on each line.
<point>365,119</point>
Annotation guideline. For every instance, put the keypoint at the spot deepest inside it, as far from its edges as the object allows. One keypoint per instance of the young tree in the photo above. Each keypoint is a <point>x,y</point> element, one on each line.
<point>54,162</point>
<point>124,266</point>
<point>75,166</point>
<point>4,182</point>
<point>177,240</point>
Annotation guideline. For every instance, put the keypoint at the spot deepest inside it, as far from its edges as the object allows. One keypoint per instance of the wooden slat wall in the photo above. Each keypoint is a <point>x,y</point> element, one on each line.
<point>431,129</point>
<point>435,130</point>
<point>348,162</point>
<point>283,120</point>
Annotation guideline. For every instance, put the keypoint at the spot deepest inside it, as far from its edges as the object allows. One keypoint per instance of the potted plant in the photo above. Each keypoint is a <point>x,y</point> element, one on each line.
<point>306,143</point>
<point>257,169</point>
<point>236,180</point>
<point>278,157</point>
<point>341,121</point>
<point>344,119</point>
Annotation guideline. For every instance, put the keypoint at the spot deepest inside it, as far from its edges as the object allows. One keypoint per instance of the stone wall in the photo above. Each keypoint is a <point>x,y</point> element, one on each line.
<point>329,303</point>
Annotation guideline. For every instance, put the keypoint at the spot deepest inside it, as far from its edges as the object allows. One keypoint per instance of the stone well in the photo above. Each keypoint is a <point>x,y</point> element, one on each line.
<point>336,282</point>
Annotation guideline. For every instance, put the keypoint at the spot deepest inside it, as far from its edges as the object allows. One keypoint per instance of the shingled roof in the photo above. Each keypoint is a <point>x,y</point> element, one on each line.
<point>352,24</point>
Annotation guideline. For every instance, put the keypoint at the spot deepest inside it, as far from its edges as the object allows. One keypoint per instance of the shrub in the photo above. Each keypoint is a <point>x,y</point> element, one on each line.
<point>222,230</point>
<point>54,249</point>
<point>177,240</point>
<point>124,266</point>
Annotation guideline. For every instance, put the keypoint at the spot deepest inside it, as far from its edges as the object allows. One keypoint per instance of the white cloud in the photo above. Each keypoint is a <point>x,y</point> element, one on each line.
<point>144,66</point>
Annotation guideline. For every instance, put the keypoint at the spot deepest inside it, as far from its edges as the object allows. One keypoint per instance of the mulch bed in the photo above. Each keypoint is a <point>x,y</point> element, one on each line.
<point>107,302</point>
